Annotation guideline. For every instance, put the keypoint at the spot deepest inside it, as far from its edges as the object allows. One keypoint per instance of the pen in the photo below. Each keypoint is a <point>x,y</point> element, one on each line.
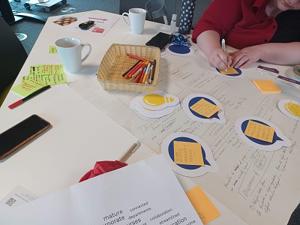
<point>224,49</point>
<point>270,69</point>
<point>21,101</point>
<point>130,151</point>
<point>289,79</point>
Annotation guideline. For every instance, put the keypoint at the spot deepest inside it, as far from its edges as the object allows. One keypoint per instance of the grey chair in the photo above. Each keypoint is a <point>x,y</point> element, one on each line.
<point>12,58</point>
<point>156,10</point>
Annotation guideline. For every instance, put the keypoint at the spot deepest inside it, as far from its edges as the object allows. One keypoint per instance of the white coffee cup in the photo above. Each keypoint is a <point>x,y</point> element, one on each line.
<point>136,19</point>
<point>70,50</point>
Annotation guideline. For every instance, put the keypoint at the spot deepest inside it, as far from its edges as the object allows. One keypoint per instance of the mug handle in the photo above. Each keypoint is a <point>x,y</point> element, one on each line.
<point>124,15</point>
<point>89,52</point>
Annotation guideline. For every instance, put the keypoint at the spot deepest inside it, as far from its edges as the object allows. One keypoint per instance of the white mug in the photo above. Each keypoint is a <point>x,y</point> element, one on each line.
<point>70,51</point>
<point>136,19</point>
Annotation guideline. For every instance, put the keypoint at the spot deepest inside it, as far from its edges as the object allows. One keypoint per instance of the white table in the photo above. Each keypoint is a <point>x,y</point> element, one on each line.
<point>173,69</point>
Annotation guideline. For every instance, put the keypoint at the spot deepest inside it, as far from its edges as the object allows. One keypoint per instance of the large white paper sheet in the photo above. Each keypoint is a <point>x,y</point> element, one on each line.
<point>253,184</point>
<point>143,193</point>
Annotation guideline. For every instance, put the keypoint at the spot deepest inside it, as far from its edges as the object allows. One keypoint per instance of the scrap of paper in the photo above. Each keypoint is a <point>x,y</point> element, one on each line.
<point>260,131</point>
<point>27,87</point>
<point>205,108</point>
<point>188,153</point>
<point>47,74</point>
<point>267,86</point>
<point>52,49</point>
<point>206,210</point>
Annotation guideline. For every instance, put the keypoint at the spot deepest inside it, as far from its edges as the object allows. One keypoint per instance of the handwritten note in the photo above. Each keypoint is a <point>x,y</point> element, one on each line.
<point>188,153</point>
<point>205,108</point>
<point>25,88</point>
<point>47,74</point>
<point>260,131</point>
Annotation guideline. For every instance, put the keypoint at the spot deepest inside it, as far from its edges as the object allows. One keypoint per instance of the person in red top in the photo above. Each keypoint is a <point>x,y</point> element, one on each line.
<point>267,30</point>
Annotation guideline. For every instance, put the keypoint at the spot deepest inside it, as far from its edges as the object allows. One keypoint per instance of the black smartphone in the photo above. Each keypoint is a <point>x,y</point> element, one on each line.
<point>86,25</point>
<point>21,134</point>
<point>160,40</point>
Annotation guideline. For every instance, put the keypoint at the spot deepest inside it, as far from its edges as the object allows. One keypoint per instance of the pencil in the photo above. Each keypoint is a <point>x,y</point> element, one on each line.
<point>130,151</point>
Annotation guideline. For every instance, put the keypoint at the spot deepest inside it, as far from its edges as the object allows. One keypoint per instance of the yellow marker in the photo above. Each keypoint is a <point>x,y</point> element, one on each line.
<point>202,204</point>
<point>293,108</point>
<point>205,108</point>
<point>157,100</point>
<point>260,131</point>
<point>267,86</point>
<point>228,71</point>
<point>188,153</point>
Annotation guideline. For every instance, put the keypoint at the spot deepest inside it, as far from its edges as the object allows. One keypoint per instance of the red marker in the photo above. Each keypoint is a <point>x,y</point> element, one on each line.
<point>21,101</point>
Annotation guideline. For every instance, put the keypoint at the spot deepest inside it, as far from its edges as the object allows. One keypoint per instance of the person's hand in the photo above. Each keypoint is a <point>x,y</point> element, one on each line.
<point>246,56</point>
<point>219,59</point>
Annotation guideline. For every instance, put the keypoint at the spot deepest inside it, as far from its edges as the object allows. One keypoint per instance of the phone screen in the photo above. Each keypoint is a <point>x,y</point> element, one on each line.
<point>160,40</point>
<point>21,133</point>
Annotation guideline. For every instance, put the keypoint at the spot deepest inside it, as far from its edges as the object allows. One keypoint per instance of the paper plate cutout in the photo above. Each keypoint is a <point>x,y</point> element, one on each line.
<point>203,108</point>
<point>261,134</point>
<point>188,169</point>
<point>158,100</point>
<point>155,105</point>
<point>290,108</point>
<point>180,50</point>
<point>230,72</point>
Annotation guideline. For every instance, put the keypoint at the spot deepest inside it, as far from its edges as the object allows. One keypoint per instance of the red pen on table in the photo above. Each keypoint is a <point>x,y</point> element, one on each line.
<point>21,101</point>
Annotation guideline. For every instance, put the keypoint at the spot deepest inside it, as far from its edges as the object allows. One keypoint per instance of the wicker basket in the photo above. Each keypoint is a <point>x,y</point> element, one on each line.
<point>116,62</point>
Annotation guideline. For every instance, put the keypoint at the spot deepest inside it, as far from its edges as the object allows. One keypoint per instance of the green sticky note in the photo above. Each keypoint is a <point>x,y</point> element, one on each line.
<point>47,74</point>
<point>52,49</point>
<point>25,88</point>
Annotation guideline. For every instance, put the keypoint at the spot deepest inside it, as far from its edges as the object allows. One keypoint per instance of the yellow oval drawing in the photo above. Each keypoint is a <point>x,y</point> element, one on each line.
<point>157,99</point>
<point>293,108</point>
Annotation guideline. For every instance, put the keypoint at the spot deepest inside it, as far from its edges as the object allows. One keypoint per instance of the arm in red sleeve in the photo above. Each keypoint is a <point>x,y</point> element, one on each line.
<point>220,16</point>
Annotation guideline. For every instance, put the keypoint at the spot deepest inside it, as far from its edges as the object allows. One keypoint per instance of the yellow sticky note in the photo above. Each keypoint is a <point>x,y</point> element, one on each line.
<point>260,131</point>
<point>205,108</point>
<point>188,153</point>
<point>52,49</point>
<point>25,88</point>
<point>202,204</point>
<point>293,108</point>
<point>228,71</point>
<point>267,86</point>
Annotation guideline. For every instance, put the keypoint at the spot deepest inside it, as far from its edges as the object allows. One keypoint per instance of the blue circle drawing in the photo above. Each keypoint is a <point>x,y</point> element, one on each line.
<point>180,49</point>
<point>257,141</point>
<point>195,100</point>
<point>186,139</point>
<point>238,73</point>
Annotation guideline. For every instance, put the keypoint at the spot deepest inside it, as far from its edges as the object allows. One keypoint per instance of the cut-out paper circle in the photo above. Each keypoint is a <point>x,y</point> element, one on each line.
<point>261,134</point>
<point>203,108</point>
<point>290,108</point>
<point>230,72</point>
<point>186,164</point>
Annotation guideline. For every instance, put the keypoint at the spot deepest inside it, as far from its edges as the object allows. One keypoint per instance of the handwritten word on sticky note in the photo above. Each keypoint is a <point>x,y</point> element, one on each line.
<point>188,153</point>
<point>267,86</point>
<point>260,131</point>
<point>25,88</point>
<point>205,108</point>
<point>293,108</point>
<point>202,204</point>
<point>47,74</point>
